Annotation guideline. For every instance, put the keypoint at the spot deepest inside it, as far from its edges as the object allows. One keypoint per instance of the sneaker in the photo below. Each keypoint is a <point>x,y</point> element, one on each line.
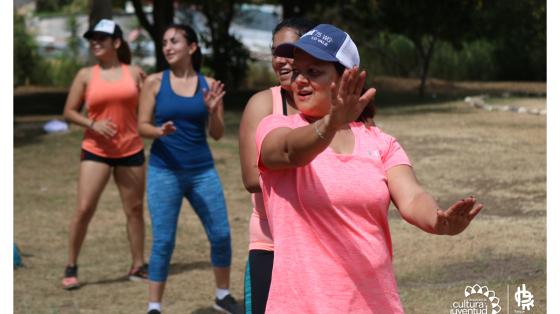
<point>70,281</point>
<point>154,312</point>
<point>228,305</point>
<point>138,273</point>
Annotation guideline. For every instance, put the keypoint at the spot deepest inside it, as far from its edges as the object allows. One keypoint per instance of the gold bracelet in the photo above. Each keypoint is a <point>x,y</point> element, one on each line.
<point>321,135</point>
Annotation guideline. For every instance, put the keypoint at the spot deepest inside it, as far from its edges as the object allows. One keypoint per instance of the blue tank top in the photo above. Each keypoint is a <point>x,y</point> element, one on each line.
<point>187,147</point>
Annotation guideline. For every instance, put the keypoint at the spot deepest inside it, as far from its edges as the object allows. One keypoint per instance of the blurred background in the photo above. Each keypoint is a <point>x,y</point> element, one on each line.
<point>456,40</point>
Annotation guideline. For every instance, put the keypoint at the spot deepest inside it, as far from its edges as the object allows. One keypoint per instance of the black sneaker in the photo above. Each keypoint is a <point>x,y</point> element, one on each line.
<point>70,280</point>
<point>138,273</point>
<point>228,305</point>
<point>154,311</point>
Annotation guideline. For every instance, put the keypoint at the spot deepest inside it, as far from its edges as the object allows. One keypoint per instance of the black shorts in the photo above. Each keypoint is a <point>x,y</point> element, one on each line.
<point>137,159</point>
<point>260,273</point>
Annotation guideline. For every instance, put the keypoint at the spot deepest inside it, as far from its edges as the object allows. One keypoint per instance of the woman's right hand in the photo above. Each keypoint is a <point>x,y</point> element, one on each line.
<point>347,100</point>
<point>167,128</point>
<point>105,128</point>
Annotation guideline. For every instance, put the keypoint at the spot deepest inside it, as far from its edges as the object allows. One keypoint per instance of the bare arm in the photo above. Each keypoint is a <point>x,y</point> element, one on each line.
<point>74,101</point>
<point>287,148</point>
<point>214,100</point>
<point>419,208</point>
<point>138,74</point>
<point>258,107</point>
<point>146,128</point>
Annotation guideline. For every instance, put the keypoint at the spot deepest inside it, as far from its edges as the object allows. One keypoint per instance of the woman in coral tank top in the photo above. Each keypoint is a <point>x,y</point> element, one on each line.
<point>111,144</point>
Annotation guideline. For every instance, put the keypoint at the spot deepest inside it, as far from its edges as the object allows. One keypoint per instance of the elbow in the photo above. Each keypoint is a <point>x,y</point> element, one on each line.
<point>252,186</point>
<point>217,135</point>
<point>141,130</point>
<point>297,161</point>
<point>66,114</point>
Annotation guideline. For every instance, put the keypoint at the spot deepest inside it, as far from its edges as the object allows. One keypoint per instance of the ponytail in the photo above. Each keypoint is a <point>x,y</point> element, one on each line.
<point>123,52</point>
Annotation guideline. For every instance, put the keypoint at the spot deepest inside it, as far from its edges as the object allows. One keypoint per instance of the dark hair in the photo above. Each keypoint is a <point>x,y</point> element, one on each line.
<point>299,24</point>
<point>191,37</point>
<point>123,52</point>
<point>369,111</point>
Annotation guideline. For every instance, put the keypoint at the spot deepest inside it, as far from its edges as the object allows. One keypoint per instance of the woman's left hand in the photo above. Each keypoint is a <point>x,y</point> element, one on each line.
<point>347,100</point>
<point>457,217</point>
<point>214,97</point>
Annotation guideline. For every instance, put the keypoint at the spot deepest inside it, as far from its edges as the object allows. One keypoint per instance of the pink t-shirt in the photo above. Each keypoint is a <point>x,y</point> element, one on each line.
<point>259,232</point>
<point>332,245</point>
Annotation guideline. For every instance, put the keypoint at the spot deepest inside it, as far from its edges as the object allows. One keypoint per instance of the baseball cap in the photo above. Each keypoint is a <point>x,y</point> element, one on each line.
<point>325,42</point>
<point>106,27</point>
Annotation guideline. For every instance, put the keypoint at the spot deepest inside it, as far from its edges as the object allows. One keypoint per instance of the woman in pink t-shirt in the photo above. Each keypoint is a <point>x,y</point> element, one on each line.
<point>327,179</point>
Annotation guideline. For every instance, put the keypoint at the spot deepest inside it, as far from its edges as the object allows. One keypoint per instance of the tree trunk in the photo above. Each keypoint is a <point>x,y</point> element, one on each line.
<point>100,9</point>
<point>425,60</point>
<point>219,20</point>
<point>163,16</point>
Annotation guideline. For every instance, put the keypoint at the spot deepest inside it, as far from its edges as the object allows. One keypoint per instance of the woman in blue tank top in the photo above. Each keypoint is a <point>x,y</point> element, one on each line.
<point>177,106</point>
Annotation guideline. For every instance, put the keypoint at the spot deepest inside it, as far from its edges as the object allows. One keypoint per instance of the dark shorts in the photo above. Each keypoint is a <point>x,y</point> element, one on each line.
<point>137,159</point>
<point>257,280</point>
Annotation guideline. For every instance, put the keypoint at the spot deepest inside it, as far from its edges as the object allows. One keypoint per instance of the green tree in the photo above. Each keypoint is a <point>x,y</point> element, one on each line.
<point>518,30</point>
<point>25,52</point>
<point>426,23</point>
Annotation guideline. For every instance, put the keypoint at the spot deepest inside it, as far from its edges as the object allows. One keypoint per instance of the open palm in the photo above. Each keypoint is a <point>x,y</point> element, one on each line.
<point>457,217</point>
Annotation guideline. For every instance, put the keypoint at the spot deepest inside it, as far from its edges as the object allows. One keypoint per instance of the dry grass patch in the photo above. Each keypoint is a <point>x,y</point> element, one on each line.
<point>456,151</point>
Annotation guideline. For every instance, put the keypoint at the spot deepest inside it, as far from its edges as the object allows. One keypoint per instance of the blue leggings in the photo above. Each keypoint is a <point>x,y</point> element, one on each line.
<point>166,189</point>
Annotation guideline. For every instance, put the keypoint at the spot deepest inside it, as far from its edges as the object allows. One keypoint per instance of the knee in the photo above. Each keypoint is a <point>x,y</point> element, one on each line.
<point>221,251</point>
<point>163,245</point>
<point>84,212</point>
<point>134,211</point>
<point>221,244</point>
<point>220,240</point>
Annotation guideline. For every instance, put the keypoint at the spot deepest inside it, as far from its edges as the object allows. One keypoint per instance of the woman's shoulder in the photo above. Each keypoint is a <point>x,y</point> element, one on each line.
<point>87,70</point>
<point>136,70</point>
<point>154,78</point>
<point>374,132</point>
<point>84,74</point>
<point>259,105</point>
<point>261,97</point>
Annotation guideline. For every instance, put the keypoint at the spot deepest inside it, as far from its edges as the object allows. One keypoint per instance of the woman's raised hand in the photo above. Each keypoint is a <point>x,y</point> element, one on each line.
<point>105,128</point>
<point>457,217</point>
<point>214,97</point>
<point>167,128</point>
<point>348,101</point>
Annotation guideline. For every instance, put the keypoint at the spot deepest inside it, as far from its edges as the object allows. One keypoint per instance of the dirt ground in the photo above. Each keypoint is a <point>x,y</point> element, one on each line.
<point>456,150</point>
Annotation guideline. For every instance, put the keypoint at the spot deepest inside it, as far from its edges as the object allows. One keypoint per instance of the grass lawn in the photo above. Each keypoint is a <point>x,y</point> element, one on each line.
<point>456,150</point>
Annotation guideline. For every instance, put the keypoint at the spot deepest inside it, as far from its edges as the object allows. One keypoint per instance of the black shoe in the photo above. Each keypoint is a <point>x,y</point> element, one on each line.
<point>70,280</point>
<point>228,305</point>
<point>154,311</point>
<point>138,273</point>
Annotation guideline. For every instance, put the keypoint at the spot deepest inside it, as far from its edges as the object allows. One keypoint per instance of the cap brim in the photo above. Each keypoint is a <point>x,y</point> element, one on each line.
<point>287,51</point>
<point>90,33</point>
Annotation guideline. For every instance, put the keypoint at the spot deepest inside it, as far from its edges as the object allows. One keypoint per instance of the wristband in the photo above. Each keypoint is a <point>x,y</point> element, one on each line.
<point>319,134</point>
<point>91,124</point>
